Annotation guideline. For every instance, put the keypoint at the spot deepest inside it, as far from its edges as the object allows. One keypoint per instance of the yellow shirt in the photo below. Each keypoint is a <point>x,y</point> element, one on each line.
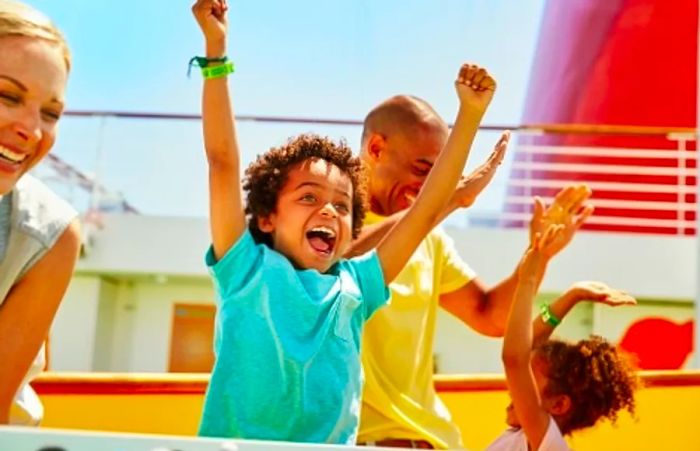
<point>399,398</point>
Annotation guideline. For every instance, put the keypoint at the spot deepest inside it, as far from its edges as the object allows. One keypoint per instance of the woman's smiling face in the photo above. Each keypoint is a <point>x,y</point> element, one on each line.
<point>33,76</point>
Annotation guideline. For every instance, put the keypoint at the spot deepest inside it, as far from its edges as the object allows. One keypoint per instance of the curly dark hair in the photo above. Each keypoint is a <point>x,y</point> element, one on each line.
<point>599,379</point>
<point>266,176</point>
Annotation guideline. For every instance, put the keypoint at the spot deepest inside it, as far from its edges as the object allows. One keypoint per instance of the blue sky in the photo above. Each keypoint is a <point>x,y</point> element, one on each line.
<point>308,58</point>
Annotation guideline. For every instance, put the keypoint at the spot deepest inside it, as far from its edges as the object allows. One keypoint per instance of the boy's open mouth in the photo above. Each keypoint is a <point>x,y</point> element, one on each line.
<point>321,239</point>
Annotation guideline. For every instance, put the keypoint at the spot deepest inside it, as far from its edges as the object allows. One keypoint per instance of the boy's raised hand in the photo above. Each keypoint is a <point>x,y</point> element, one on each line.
<point>211,17</point>
<point>227,219</point>
<point>475,87</point>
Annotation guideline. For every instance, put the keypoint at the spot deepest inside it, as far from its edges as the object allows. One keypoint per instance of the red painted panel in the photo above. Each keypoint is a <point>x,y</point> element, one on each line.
<point>659,343</point>
<point>614,62</point>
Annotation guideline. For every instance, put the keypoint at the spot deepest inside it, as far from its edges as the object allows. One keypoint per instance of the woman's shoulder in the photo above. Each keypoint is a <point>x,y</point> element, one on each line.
<point>38,211</point>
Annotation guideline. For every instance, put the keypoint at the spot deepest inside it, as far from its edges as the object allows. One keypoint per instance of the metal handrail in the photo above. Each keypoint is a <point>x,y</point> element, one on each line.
<point>681,135</point>
<point>591,129</point>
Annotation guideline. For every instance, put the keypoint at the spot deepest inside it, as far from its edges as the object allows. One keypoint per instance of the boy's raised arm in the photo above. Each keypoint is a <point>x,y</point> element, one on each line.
<point>465,194</point>
<point>226,213</point>
<point>475,88</point>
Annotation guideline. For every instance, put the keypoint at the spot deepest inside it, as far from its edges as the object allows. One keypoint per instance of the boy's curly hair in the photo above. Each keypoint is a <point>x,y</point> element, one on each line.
<point>266,176</point>
<point>598,378</point>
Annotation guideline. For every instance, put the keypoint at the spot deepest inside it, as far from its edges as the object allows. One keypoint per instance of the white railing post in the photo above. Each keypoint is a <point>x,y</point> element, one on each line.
<point>92,217</point>
<point>680,196</point>
<point>696,326</point>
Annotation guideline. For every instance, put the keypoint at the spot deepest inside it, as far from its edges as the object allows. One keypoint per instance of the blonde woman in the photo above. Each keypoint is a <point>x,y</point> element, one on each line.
<point>39,235</point>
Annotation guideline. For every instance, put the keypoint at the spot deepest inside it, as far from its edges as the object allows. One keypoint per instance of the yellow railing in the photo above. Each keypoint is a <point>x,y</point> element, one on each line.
<point>171,404</point>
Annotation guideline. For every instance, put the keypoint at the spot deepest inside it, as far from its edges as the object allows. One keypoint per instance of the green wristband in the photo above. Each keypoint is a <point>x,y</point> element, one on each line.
<point>547,316</point>
<point>212,67</point>
<point>221,70</point>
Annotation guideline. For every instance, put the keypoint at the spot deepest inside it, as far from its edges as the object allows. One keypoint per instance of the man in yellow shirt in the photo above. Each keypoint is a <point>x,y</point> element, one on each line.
<point>401,139</point>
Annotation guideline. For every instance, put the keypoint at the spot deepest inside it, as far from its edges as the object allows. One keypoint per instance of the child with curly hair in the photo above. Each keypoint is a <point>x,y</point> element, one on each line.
<point>558,387</point>
<point>290,308</point>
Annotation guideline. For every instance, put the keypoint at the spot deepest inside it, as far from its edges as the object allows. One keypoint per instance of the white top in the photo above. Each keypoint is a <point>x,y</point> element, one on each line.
<point>514,439</point>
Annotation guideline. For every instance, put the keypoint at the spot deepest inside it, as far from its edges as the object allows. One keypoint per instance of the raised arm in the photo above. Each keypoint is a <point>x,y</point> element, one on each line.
<point>485,309</point>
<point>29,309</point>
<point>226,213</point>
<point>475,88</point>
<point>468,189</point>
<point>518,340</point>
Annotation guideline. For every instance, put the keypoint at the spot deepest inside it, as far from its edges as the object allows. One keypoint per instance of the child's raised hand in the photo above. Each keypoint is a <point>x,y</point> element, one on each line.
<point>540,250</point>
<point>211,17</point>
<point>475,87</point>
<point>570,208</point>
<point>594,291</point>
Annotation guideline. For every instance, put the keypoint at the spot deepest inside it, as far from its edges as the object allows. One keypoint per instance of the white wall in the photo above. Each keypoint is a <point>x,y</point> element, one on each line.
<point>458,349</point>
<point>149,322</point>
<point>72,334</point>
<point>123,341</point>
<point>646,265</point>
<point>140,266</point>
<point>136,244</point>
<point>106,323</point>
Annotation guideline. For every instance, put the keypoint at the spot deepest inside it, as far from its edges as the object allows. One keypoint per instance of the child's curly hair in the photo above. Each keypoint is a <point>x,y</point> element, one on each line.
<point>265,178</point>
<point>598,378</point>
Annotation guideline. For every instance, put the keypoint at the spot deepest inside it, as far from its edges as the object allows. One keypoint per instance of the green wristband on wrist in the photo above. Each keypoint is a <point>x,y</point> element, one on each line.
<point>547,315</point>
<point>212,67</point>
<point>221,70</point>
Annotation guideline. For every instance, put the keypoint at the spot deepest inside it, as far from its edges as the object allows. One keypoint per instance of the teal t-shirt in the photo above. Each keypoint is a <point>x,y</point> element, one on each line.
<point>287,345</point>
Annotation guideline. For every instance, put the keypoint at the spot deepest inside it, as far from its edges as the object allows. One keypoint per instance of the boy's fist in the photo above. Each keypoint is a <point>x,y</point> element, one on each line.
<point>211,17</point>
<point>475,87</point>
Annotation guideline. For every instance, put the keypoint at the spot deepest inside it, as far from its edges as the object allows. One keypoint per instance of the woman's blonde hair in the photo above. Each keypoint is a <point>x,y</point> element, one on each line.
<point>18,19</point>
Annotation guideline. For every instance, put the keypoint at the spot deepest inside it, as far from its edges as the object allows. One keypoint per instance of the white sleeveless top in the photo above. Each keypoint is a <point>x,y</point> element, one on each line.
<point>32,218</point>
<point>514,439</point>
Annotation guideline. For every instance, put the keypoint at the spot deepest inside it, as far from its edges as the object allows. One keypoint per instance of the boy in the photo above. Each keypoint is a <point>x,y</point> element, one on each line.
<point>291,308</point>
